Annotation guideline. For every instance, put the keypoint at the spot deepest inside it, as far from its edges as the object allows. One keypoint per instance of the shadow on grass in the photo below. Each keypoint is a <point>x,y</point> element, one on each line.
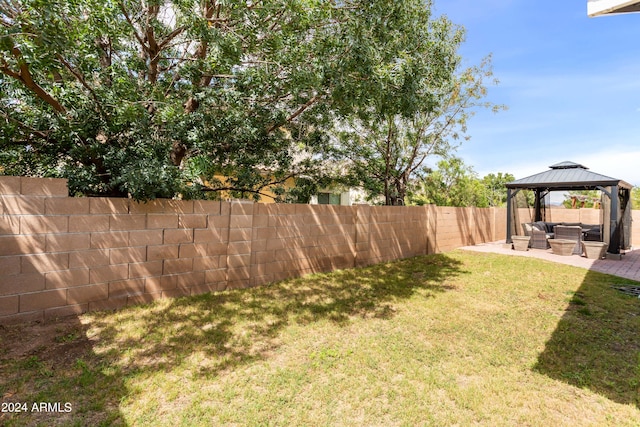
<point>235,327</point>
<point>596,343</point>
<point>50,376</point>
<point>201,336</point>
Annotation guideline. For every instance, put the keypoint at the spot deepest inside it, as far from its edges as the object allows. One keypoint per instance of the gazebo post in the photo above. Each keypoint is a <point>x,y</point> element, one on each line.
<point>538,213</point>
<point>509,196</point>
<point>614,235</point>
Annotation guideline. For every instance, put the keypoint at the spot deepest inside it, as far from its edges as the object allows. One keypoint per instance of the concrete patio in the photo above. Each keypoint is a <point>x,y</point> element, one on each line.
<point>628,266</point>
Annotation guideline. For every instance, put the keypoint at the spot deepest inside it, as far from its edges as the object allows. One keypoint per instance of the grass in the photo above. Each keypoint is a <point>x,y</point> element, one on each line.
<point>452,339</point>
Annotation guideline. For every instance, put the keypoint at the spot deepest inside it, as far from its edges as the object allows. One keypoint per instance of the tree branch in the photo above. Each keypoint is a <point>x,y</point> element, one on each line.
<point>173,34</point>
<point>299,111</point>
<point>9,9</point>
<point>240,189</point>
<point>24,76</point>
<point>38,133</point>
<point>133,27</point>
<point>209,8</point>
<point>152,49</point>
<point>83,82</point>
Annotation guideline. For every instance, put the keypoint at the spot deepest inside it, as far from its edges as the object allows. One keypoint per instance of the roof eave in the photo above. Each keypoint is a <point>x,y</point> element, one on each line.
<point>612,7</point>
<point>564,186</point>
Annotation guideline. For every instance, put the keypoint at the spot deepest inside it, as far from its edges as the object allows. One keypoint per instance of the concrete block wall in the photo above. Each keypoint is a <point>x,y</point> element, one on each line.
<point>61,255</point>
<point>458,227</point>
<point>585,215</point>
<point>499,224</point>
<point>292,240</point>
<point>389,233</point>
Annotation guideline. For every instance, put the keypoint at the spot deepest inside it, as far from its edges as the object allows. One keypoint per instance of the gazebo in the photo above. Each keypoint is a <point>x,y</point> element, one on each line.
<point>566,176</point>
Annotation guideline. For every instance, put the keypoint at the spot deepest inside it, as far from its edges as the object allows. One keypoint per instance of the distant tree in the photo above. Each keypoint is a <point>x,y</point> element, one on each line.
<point>453,183</point>
<point>581,199</point>
<point>495,188</point>
<point>419,98</point>
<point>635,198</point>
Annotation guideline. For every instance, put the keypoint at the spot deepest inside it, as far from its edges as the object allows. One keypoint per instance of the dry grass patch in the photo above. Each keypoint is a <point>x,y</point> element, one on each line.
<point>460,338</point>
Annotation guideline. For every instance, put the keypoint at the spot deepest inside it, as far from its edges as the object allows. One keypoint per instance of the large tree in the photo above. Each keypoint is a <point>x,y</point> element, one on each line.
<point>157,97</point>
<point>142,97</point>
<point>495,188</point>
<point>422,110</point>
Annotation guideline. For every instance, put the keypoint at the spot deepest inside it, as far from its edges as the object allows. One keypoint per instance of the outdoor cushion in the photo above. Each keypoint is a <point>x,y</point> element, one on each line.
<point>526,228</point>
<point>549,226</point>
<point>540,225</point>
<point>594,232</point>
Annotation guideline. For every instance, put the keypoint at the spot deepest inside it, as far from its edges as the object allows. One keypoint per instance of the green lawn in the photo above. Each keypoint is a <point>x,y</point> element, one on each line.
<point>454,339</point>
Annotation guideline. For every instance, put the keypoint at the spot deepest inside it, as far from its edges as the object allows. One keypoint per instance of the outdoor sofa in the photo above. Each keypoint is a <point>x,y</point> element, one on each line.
<point>541,232</point>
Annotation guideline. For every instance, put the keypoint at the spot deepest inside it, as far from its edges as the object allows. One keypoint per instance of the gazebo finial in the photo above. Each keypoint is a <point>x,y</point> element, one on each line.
<point>568,165</point>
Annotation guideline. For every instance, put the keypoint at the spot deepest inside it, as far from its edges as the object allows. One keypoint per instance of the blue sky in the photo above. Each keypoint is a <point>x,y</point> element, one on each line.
<point>571,84</point>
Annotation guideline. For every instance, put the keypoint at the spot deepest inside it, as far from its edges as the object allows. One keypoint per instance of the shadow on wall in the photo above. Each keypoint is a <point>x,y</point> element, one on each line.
<point>466,226</point>
<point>595,345</point>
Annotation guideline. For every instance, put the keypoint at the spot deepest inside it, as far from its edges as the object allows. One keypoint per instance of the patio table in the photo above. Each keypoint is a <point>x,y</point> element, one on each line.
<point>562,247</point>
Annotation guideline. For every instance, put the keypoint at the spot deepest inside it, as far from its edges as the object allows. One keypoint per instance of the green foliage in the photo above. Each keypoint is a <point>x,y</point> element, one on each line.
<point>635,198</point>
<point>157,99</point>
<point>420,101</point>
<point>495,190</point>
<point>583,198</point>
<point>127,98</point>
<point>454,183</point>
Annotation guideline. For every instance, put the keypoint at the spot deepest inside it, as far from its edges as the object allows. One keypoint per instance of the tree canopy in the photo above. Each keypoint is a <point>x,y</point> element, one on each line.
<point>159,98</point>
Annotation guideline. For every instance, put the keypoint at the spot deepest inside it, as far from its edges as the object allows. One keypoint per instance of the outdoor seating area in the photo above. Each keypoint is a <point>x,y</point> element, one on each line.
<point>627,266</point>
<point>563,239</point>
<point>542,232</point>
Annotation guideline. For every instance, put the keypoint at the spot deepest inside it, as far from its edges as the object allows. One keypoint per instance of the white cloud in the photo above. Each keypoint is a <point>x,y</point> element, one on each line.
<point>615,162</point>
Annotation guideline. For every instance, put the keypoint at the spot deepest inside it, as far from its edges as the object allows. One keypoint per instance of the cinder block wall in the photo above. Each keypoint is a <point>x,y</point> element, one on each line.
<point>61,255</point>
<point>289,240</point>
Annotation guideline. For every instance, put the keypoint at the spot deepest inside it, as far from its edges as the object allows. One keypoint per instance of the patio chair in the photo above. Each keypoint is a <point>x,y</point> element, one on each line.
<point>539,237</point>
<point>592,232</point>
<point>570,232</point>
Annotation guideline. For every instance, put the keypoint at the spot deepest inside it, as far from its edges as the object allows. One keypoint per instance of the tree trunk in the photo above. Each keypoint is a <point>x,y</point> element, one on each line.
<point>401,191</point>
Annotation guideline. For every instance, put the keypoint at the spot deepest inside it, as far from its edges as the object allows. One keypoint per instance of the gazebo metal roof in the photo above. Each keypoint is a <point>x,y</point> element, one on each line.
<point>567,176</point>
